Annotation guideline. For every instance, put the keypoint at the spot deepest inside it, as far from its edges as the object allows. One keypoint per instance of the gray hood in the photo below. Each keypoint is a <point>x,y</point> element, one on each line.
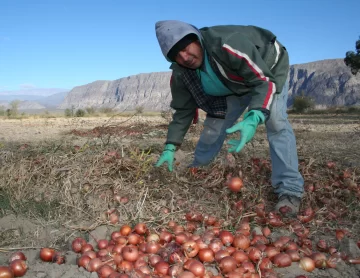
<point>169,32</point>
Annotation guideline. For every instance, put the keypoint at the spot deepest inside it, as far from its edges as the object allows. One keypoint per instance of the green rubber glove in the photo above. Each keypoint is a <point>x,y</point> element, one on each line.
<point>167,156</point>
<point>247,129</point>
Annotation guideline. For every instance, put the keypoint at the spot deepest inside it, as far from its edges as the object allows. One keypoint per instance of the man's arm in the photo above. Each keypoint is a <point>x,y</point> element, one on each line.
<point>243,57</point>
<point>185,109</point>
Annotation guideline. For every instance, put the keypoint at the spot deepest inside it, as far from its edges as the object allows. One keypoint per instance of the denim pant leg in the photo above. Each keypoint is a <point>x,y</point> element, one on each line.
<point>286,178</point>
<point>214,133</point>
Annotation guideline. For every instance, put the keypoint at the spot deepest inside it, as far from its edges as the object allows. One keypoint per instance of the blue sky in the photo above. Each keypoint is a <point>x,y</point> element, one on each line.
<point>67,43</point>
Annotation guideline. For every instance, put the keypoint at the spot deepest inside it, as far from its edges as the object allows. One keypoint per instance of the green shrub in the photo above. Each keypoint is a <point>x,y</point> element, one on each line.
<point>302,104</point>
<point>90,110</point>
<point>80,113</point>
<point>68,112</point>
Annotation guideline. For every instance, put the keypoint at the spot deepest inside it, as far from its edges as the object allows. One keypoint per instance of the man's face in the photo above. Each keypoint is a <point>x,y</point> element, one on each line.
<point>191,56</point>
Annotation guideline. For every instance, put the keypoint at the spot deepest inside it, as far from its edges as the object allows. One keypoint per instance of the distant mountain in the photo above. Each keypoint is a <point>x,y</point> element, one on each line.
<point>328,82</point>
<point>52,101</point>
<point>33,101</point>
<point>29,94</point>
<point>23,105</point>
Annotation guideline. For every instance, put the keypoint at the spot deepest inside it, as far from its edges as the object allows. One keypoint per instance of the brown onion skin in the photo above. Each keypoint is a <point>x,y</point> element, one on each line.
<point>235,184</point>
<point>6,272</point>
<point>307,264</point>
<point>59,258</point>
<point>16,256</point>
<point>105,271</point>
<point>282,260</point>
<point>140,228</point>
<point>186,274</point>
<point>130,253</point>
<point>77,244</point>
<point>18,267</point>
<point>195,267</point>
<point>125,230</point>
<point>241,242</point>
<point>47,254</point>
<point>206,255</point>
<point>94,265</point>
<point>227,264</point>
<point>83,261</point>
<point>240,256</point>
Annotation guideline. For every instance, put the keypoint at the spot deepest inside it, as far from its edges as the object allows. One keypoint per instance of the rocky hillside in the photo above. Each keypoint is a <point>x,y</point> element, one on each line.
<point>328,82</point>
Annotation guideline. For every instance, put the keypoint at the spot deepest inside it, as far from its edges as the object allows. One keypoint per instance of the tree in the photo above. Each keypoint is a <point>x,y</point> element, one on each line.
<point>352,59</point>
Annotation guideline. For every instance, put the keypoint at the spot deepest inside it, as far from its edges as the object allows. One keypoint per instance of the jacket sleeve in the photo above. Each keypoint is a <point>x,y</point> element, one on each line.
<point>244,59</point>
<point>185,109</point>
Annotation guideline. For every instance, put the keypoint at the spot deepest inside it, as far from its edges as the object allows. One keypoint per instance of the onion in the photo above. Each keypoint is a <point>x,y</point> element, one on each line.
<point>152,247</point>
<point>307,264</point>
<point>118,275</point>
<point>227,264</point>
<point>18,267</point>
<point>125,266</point>
<point>186,274</point>
<point>265,264</point>
<point>87,247</point>
<point>271,251</point>
<point>216,245</point>
<point>294,254</point>
<point>206,255</point>
<point>6,272</point>
<point>58,258</point>
<point>282,260</point>
<point>175,270</point>
<point>240,256</point>
<point>114,218</point>
<point>235,184</point>
<point>83,261</point>
<point>46,254</point>
<point>153,237</point>
<point>154,259</point>
<point>140,228</point>
<point>254,254</point>
<point>241,242</point>
<point>134,239</point>
<point>94,265</point>
<point>190,248</point>
<point>194,266</point>
<point>180,238</point>
<point>221,254</point>
<point>226,237</point>
<point>319,259</point>
<point>77,244</point>
<point>130,253</point>
<point>266,231</point>
<point>125,230</point>
<point>161,268</point>
<point>102,243</point>
<point>17,256</point>
<point>165,237</point>
<point>105,271</point>
<point>91,254</point>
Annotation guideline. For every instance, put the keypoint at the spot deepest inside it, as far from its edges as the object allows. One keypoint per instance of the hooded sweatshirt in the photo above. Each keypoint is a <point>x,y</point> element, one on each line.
<point>247,59</point>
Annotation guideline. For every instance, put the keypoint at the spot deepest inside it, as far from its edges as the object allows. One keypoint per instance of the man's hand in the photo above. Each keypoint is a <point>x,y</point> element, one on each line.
<point>167,156</point>
<point>247,129</point>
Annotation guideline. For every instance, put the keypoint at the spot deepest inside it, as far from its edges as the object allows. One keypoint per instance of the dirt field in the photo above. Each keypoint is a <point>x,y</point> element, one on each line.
<point>60,177</point>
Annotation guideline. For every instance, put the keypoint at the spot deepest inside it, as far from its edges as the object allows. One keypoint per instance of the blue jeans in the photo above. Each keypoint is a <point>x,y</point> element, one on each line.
<point>285,178</point>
